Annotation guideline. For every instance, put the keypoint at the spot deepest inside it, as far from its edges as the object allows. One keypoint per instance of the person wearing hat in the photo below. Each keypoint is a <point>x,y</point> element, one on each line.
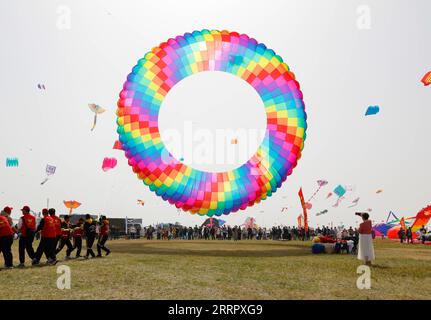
<point>6,237</point>
<point>27,228</point>
<point>48,239</point>
<point>6,212</point>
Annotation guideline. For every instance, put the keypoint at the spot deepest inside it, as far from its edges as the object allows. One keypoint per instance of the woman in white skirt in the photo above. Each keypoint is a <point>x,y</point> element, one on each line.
<point>366,248</point>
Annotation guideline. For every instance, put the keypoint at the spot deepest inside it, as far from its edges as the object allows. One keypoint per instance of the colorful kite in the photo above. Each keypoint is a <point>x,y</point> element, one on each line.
<point>422,218</point>
<point>372,110</point>
<point>12,162</point>
<point>211,193</point>
<point>97,110</point>
<point>49,170</point>
<point>426,80</point>
<point>71,205</point>
<point>340,191</point>
<point>109,163</point>
<point>320,184</point>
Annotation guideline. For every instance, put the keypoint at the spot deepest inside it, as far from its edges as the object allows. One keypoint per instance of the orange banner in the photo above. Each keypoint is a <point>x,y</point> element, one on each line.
<point>301,197</point>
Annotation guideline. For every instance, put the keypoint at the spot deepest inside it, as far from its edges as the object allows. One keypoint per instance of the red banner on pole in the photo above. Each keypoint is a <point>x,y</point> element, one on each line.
<point>304,208</point>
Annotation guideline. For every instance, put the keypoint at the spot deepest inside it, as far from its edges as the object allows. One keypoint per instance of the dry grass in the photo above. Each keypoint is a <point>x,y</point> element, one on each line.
<point>227,270</point>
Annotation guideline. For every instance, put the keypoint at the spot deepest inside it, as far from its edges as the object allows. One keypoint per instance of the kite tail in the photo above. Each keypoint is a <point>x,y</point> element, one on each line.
<point>314,194</point>
<point>95,121</point>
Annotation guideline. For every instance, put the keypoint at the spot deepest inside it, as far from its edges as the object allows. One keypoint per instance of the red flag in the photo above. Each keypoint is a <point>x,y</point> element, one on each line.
<point>304,208</point>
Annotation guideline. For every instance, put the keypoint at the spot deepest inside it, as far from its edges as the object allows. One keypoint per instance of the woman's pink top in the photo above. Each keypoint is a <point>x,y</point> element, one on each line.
<point>365,227</point>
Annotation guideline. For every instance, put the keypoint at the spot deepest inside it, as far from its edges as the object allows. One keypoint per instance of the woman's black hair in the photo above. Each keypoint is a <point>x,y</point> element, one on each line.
<point>365,216</point>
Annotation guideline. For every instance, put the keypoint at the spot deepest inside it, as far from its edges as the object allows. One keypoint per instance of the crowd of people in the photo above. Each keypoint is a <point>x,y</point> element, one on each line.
<point>54,232</point>
<point>214,232</point>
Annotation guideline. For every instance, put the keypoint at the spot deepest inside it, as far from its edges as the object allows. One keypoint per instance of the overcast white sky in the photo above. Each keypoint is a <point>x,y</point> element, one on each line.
<point>342,69</point>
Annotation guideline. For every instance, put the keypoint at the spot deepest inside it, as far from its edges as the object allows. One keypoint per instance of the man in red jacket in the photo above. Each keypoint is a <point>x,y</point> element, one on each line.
<point>6,240</point>
<point>48,239</point>
<point>57,222</point>
<point>27,227</point>
<point>103,236</point>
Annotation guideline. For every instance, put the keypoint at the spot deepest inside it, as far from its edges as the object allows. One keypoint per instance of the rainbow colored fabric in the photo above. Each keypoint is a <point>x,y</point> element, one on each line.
<point>196,191</point>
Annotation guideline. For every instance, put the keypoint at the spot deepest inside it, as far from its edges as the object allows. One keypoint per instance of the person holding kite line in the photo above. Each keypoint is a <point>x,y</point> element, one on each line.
<point>366,248</point>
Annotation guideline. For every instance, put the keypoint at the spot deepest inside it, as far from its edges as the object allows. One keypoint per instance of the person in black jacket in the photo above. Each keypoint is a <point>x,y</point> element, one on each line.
<point>90,234</point>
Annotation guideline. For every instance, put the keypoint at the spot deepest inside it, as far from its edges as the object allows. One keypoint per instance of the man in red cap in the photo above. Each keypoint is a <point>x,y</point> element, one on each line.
<point>48,239</point>
<point>6,237</point>
<point>27,227</point>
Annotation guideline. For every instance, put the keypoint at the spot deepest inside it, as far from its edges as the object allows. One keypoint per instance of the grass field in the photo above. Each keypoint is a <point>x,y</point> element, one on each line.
<point>140,269</point>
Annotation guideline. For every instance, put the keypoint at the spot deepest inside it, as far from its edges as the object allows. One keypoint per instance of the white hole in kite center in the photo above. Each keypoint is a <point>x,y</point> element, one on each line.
<point>212,121</point>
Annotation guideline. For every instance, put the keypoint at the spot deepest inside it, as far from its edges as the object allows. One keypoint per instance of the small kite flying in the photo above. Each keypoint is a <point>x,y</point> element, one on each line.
<point>426,80</point>
<point>109,163</point>
<point>71,205</point>
<point>372,110</point>
<point>50,170</point>
<point>97,110</point>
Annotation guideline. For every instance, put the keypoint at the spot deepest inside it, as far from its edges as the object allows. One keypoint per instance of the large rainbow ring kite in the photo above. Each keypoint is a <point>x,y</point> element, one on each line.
<point>208,193</point>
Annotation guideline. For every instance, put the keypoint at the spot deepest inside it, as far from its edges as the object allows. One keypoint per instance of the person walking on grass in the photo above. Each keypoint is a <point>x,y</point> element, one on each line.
<point>409,235</point>
<point>27,228</point>
<point>78,231</point>
<point>66,228</point>
<point>48,239</point>
<point>90,234</point>
<point>366,248</point>
<point>103,237</point>
<point>6,237</point>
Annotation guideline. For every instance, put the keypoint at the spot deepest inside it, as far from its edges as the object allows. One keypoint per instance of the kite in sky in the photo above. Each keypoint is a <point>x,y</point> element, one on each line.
<point>426,80</point>
<point>41,86</point>
<point>379,191</point>
<point>284,209</point>
<point>340,191</point>
<point>50,170</point>
<point>97,110</point>
<point>141,202</point>
<point>354,203</point>
<point>109,163</point>
<point>338,202</point>
<point>372,110</point>
<point>322,212</point>
<point>320,184</point>
<point>71,205</point>
<point>12,162</point>
<point>329,195</point>
<point>234,141</point>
